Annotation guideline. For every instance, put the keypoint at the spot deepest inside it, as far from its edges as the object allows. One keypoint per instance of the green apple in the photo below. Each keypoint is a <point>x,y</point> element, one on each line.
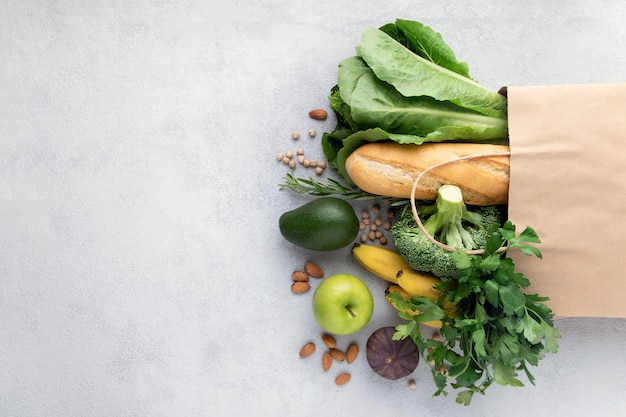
<point>342,304</point>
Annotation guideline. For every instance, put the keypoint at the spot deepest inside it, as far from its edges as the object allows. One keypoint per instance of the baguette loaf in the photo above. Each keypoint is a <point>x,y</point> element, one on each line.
<point>390,169</point>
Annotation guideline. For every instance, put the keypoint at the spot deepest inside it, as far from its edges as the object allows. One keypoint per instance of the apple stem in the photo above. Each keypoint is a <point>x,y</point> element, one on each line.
<point>350,311</point>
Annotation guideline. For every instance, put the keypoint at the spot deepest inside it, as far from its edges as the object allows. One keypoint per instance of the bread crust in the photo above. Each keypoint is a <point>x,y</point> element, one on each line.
<point>390,169</point>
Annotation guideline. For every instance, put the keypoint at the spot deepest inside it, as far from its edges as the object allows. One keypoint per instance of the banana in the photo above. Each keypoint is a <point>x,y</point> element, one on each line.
<point>419,284</point>
<point>396,288</point>
<point>389,265</point>
<point>383,262</point>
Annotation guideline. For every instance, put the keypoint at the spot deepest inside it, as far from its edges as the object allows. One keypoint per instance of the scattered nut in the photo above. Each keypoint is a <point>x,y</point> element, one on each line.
<point>343,378</point>
<point>337,355</point>
<point>279,156</point>
<point>412,384</point>
<point>312,133</point>
<point>319,170</point>
<point>329,341</point>
<point>318,114</point>
<point>352,352</point>
<point>300,287</point>
<point>295,135</point>
<point>373,223</point>
<point>332,353</point>
<point>307,350</point>
<point>313,269</point>
<point>299,276</point>
<point>327,361</point>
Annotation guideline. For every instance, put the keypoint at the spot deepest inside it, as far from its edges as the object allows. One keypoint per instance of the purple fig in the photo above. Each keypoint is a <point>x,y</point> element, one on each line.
<point>391,359</point>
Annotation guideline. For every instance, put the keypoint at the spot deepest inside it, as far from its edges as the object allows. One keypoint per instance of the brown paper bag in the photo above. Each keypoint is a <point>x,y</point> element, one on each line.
<point>568,182</point>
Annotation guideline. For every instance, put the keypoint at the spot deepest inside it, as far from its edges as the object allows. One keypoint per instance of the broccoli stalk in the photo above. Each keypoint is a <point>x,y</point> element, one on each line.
<point>445,223</point>
<point>450,223</point>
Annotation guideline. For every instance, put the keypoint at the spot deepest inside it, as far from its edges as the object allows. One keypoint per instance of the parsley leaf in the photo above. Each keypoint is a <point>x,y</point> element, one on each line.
<point>498,330</point>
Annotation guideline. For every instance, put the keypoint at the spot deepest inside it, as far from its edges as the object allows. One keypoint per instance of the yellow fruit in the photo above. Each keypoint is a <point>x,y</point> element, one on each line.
<point>396,288</point>
<point>385,263</point>
<point>419,284</point>
<point>422,284</point>
<point>389,265</point>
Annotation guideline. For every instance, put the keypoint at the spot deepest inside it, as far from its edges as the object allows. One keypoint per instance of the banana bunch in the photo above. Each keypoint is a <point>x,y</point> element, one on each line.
<point>389,265</point>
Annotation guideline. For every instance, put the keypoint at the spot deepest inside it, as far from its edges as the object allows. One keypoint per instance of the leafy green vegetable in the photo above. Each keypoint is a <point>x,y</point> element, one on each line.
<point>427,43</point>
<point>498,330</point>
<point>406,85</point>
<point>375,103</point>
<point>414,76</point>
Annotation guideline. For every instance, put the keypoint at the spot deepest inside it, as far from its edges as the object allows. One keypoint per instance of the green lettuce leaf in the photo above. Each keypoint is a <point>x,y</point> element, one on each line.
<point>413,75</point>
<point>430,45</point>
<point>374,103</point>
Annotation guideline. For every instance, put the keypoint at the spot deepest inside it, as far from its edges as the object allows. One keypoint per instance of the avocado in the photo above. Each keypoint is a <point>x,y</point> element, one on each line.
<point>324,224</point>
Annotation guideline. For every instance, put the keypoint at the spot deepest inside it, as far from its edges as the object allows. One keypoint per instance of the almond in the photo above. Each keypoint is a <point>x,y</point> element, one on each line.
<point>343,378</point>
<point>299,276</point>
<point>337,355</point>
<point>329,341</point>
<point>352,352</point>
<point>313,270</point>
<point>307,350</point>
<point>300,287</point>
<point>327,361</point>
<point>318,114</point>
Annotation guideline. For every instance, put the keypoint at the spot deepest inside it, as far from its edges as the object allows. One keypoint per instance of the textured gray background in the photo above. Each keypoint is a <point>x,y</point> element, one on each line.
<point>141,269</point>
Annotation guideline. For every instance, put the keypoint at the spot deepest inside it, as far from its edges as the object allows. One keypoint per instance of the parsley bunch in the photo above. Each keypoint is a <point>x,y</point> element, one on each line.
<point>497,330</point>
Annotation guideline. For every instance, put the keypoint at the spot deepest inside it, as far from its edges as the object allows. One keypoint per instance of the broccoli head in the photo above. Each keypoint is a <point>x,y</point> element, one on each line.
<point>450,222</point>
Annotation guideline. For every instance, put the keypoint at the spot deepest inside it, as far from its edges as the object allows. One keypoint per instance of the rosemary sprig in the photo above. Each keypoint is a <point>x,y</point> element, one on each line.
<point>331,186</point>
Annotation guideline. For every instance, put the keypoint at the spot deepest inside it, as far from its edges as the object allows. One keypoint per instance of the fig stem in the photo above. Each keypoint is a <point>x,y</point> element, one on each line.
<point>350,311</point>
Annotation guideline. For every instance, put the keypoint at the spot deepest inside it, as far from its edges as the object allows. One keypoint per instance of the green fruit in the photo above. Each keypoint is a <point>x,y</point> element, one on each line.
<point>324,224</point>
<point>342,304</point>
